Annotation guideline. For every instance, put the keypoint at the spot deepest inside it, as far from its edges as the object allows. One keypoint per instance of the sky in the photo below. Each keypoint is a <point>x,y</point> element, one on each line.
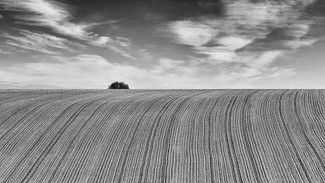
<point>162,44</point>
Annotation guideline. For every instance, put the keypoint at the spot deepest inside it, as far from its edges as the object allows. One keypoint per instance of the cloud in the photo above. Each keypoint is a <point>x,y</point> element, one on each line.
<point>280,72</point>
<point>57,16</point>
<point>259,60</point>
<point>5,52</point>
<point>295,44</point>
<point>297,30</point>
<point>39,42</point>
<point>191,33</point>
<point>46,13</point>
<point>204,40</point>
<point>78,72</point>
<point>216,54</point>
<point>233,42</point>
<point>224,39</point>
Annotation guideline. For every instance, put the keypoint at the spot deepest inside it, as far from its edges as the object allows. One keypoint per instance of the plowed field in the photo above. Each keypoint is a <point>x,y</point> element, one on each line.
<point>190,136</point>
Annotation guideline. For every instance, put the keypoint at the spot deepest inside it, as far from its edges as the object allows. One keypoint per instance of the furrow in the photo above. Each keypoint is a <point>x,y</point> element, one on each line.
<point>149,141</point>
<point>72,142</point>
<point>17,136</point>
<point>111,155</point>
<point>230,144</point>
<point>46,151</point>
<point>167,139</point>
<point>302,129</point>
<point>246,133</point>
<point>292,145</point>
<point>80,157</point>
<point>132,139</point>
<point>41,138</point>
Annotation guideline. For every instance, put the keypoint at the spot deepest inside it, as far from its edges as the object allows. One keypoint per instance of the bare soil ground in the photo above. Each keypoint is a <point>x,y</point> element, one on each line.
<point>208,136</point>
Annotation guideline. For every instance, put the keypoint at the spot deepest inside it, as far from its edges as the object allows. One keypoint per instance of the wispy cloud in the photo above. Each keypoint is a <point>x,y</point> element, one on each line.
<point>191,33</point>
<point>39,42</point>
<point>259,60</point>
<point>297,43</point>
<point>47,13</point>
<point>223,39</point>
<point>5,52</point>
<point>78,72</point>
<point>57,16</point>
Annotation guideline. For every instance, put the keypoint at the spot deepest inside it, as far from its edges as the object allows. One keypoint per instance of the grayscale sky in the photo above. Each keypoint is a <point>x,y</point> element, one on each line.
<point>162,44</point>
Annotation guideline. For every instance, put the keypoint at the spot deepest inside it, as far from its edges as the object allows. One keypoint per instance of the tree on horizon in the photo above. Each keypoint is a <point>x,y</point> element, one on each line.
<point>118,85</point>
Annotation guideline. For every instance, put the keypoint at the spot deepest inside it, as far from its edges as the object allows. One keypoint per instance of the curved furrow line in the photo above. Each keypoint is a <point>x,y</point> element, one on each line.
<point>70,144</point>
<point>163,136</point>
<point>277,160</point>
<point>16,158</point>
<point>69,173</point>
<point>188,119</point>
<point>245,127</point>
<point>212,136</point>
<point>311,115</point>
<point>54,140</point>
<point>26,155</point>
<point>225,171</point>
<point>15,99</point>
<point>284,162</point>
<point>11,98</point>
<point>77,145</point>
<point>16,132</point>
<point>79,156</point>
<point>229,141</point>
<point>153,171</point>
<point>253,140</point>
<point>22,106</point>
<point>238,140</point>
<point>39,99</point>
<point>28,114</point>
<point>131,142</point>
<point>319,118</point>
<point>187,116</point>
<point>131,170</point>
<point>205,107</point>
<point>285,145</point>
<point>117,134</point>
<point>149,142</point>
<point>106,155</point>
<point>235,141</point>
<point>260,135</point>
<point>200,135</point>
<point>42,100</point>
<point>83,153</point>
<point>18,136</point>
<point>280,106</point>
<point>200,141</point>
<point>78,180</point>
<point>182,146</point>
<point>167,139</point>
<point>305,134</point>
<point>145,103</point>
<point>29,98</point>
<point>209,137</point>
<point>20,158</point>
<point>316,118</point>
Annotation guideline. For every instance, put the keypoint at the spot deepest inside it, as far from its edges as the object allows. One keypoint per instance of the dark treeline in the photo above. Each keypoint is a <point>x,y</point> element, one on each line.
<point>118,85</point>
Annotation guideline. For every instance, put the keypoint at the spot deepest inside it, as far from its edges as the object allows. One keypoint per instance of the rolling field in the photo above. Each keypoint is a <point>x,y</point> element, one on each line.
<point>172,136</point>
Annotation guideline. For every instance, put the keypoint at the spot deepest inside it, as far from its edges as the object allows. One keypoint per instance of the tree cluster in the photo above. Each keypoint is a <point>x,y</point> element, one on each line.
<point>118,85</point>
